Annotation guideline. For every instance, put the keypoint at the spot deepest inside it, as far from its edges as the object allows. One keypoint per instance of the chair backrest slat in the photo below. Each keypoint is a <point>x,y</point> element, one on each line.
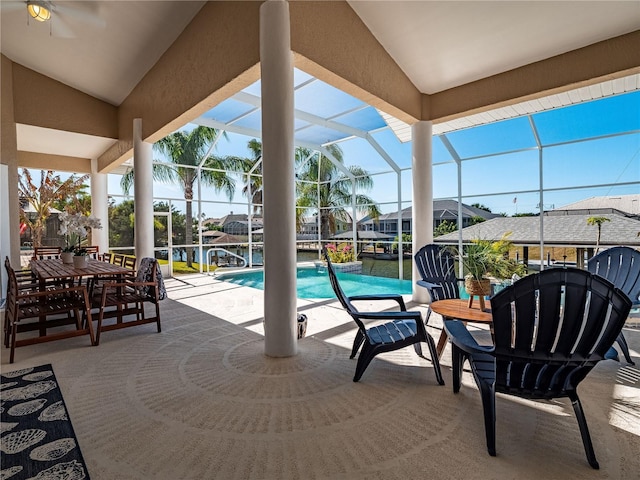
<point>118,259</point>
<point>46,253</point>
<point>129,262</point>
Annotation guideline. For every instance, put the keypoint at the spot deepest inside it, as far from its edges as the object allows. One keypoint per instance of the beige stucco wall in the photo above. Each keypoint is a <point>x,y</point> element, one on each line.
<point>62,163</point>
<point>613,58</point>
<point>43,102</point>
<point>9,156</point>
<point>216,56</point>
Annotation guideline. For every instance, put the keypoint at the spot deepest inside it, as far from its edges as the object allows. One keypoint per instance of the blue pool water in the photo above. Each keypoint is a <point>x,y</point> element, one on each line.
<point>315,284</point>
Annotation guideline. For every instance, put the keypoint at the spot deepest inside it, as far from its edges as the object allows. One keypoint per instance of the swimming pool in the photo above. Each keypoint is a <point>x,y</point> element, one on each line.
<point>313,283</point>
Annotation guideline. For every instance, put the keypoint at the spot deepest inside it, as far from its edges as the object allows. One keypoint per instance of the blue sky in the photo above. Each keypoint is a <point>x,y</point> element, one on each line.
<point>496,181</point>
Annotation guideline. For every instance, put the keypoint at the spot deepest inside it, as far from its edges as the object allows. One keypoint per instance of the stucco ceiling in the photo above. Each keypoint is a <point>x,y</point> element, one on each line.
<point>444,44</point>
<point>438,44</point>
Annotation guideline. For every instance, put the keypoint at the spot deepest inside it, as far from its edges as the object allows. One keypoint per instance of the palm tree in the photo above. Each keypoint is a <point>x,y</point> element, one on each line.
<point>252,177</point>
<point>42,198</point>
<point>334,193</point>
<point>597,221</point>
<point>186,151</point>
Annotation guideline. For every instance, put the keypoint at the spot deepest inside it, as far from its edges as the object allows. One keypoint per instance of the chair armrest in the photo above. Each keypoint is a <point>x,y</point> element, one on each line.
<point>461,338</point>
<point>384,296</point>
<point>424,283</point>
<point>128,283</point>
<point>50,292</point>
<point>406,315</point>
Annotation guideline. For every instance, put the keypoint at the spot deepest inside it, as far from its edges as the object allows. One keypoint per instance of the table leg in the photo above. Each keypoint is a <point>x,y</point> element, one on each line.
<point>442,342</point>
<point>42,319</point>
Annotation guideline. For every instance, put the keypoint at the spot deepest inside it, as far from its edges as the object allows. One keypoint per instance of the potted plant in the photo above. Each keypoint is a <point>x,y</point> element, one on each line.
<point>343,257</point>
<point>75,227</point>
<point>484,258</point>
<point>80,257</point>
<point>67,253</point>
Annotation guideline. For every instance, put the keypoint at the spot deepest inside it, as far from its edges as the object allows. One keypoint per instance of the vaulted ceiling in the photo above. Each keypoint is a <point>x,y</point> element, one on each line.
<point>448,51</point>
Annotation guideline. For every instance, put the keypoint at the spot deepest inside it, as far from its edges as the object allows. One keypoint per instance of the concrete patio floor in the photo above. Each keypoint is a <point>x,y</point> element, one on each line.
<point>201,400</point>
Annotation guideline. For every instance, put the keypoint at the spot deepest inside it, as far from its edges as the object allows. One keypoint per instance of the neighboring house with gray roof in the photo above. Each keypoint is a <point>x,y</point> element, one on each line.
<point>559,231</point>
<point>626,205</point>
<point>443,210</point>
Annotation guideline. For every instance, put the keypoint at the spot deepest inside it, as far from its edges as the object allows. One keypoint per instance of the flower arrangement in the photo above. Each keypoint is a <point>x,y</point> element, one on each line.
<point>341,253</point>
<point>75,227</point>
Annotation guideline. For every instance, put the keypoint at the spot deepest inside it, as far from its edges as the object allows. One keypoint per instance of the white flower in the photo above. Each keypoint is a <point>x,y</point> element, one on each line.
<point>75,227</point>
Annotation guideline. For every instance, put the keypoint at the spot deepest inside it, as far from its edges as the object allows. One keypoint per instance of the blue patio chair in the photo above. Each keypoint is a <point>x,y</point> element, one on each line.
<point>550,330</point>
<point>400,329</point>
<point>621,266</point>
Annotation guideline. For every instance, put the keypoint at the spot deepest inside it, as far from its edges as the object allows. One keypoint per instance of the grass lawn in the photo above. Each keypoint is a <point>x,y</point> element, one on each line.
<point>180,268</point>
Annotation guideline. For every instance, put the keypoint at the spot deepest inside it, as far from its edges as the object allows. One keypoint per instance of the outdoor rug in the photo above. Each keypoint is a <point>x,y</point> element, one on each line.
<point>38,441</point>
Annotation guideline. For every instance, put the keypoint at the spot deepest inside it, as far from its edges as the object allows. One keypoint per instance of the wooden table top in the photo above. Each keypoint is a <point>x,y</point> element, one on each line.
<point>54,268</point>
<point>458,308</point>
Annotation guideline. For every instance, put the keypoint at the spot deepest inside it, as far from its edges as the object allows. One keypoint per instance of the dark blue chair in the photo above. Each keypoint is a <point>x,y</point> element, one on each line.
<point>400,328</point>
<point>550,330</point>
<point>436,266</point>
<point>621,266</point>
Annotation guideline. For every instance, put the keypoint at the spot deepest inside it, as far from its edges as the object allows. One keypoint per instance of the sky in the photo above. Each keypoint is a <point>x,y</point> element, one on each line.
<point>573,168</point>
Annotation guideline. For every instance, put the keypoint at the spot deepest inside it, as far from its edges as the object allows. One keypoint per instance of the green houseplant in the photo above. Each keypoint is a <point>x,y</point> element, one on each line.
<point>484,258</point>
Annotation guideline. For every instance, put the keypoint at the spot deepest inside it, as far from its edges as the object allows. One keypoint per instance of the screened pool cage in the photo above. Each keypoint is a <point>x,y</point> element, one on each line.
<point>516,164</point>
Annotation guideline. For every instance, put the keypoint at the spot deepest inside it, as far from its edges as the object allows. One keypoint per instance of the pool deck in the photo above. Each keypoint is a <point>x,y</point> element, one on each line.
<point>201,400</point>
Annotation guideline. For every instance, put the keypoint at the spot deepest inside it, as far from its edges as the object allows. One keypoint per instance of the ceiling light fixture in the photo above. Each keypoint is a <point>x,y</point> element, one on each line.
<point>39,11</point>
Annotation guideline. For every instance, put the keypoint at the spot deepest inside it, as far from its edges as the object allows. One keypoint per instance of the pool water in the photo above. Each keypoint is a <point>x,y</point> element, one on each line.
<point>313,283</point>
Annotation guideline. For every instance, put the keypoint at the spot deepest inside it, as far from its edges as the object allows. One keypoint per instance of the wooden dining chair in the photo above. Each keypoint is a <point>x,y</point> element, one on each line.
<point>93,251</point>
<point>127,297</point>
<point>107,257</point>
<point>129,262</point>
<point>26,307</point>
<point>46,253</point>
<point>118,259</point>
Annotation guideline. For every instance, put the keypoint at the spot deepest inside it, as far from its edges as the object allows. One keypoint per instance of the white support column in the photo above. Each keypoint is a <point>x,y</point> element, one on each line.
<point>99,207</point>
<point>276,65</point>
<point>422,211</point>
<point>143,193</point>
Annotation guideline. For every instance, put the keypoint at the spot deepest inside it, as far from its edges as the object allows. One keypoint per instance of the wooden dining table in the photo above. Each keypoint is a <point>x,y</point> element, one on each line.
<point>456,308</point>
<point>47,270</point>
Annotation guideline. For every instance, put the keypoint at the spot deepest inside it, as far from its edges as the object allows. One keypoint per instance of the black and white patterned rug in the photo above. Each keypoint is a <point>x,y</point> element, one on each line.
<point>38,441</point>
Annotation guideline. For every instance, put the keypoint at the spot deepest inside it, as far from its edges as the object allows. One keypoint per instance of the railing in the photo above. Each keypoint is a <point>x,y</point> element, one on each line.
<point>227,252</point>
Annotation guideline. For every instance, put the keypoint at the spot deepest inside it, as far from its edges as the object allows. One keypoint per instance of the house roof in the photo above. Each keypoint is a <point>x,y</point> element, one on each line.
<point>569,230</point>
<point>363,235</point>
<point>444,209</point>
<point>628,204</point>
